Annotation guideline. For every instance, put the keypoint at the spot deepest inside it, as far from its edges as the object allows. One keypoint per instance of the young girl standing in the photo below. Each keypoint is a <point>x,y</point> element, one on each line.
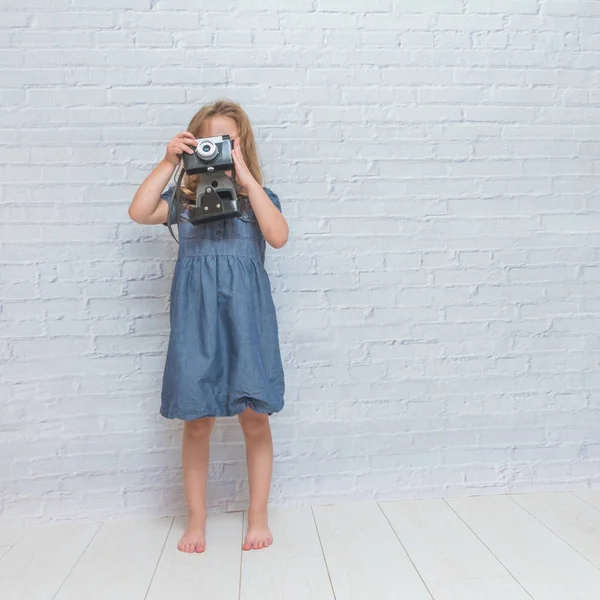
<point>223,357</point>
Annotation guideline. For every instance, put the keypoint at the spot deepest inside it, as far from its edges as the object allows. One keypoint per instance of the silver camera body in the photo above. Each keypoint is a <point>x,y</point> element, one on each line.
<point>210,155</point>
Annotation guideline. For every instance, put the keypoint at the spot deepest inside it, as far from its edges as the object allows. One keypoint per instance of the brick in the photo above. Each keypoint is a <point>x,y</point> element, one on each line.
<point>354,5</point>
<point>320,20</point>
<point>111,4</point>
<point>503,6</point>
<point>189,76</point>
<point>585,8</point>
<point>410,22</point>
<point>146,95</point>
<point>15,19</point>
<point>79,19</point>
<point>159,20</point>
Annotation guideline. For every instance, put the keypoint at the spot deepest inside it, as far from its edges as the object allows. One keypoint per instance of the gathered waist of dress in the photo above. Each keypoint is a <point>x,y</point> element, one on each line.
<point>226,247</point>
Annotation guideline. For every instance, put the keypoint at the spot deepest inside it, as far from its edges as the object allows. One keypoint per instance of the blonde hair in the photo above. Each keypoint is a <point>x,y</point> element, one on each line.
<point>247,143</point>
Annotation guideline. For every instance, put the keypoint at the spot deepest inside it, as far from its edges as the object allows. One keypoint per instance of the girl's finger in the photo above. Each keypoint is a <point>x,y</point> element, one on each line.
<point>182,148</point>
<point>187,149</point>
<point>238,154</point>
<point>187,139</point>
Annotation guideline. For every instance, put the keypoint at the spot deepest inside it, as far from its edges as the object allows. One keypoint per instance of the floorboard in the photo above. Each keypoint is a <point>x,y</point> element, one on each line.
<point>37,565</point>
<point>544,564</point>
<point>11,532</point>
<point>452,561</point>
<point>365,559</point>
<point>119,562</point>
<point>592,497</point>
<point>569,517</point>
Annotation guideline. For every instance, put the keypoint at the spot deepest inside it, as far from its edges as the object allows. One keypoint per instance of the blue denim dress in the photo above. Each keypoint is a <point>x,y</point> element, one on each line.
<point>223,353</point>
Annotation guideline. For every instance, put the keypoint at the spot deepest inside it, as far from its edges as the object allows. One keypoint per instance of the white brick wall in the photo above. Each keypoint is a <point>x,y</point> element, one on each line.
<point>439,163</point>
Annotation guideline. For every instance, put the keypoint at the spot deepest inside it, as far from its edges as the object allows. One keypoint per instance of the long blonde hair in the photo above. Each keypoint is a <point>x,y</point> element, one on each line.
<point>225,108</point>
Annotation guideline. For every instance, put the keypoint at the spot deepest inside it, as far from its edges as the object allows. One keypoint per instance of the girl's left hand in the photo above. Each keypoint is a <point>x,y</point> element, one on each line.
<point>242,173</point>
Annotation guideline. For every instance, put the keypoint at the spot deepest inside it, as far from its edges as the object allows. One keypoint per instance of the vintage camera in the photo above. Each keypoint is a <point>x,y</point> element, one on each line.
<point>211,154</point>
<point>216,197</point>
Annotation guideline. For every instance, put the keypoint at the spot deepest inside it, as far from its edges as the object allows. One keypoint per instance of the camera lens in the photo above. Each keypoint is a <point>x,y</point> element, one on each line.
<point>207,150</point>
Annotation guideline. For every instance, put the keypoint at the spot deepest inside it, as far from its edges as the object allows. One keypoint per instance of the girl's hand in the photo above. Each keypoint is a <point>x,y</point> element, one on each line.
<point>182,142</point>
<point>242,173</point>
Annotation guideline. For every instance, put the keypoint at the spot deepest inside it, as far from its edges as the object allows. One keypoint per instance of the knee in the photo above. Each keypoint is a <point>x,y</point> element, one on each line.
<point>199,429</point>
<point>254,424</point>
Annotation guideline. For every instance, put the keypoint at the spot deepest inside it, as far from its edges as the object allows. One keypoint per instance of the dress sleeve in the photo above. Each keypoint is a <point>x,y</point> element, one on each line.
<point>274,198</point>
<point>166,196</point>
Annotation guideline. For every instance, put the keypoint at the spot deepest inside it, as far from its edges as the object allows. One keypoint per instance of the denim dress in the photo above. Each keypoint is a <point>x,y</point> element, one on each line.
<point>223,353</point>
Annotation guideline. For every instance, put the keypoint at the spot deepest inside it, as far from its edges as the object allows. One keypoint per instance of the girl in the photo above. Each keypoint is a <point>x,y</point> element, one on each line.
<point>223,357</point>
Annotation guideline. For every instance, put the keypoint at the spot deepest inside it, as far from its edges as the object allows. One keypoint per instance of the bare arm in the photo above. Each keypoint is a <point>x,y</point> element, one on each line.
<point>147,207</point>
<point>272,223</point>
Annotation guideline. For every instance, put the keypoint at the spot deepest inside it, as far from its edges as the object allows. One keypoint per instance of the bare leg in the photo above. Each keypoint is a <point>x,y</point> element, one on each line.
<point>259,455</point>
<point>196,439</point>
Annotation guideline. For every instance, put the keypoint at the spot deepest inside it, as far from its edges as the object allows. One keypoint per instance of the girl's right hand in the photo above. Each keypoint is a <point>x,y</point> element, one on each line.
<point>182,142</point>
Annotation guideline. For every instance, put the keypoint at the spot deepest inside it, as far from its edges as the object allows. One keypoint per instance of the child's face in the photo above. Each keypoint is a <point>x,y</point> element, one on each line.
<point>220,126</point>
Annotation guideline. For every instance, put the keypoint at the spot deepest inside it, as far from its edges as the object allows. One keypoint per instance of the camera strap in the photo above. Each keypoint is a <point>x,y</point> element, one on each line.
<point>175,200</point>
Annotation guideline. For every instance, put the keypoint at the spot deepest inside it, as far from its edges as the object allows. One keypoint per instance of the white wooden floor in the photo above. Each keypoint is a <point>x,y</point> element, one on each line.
<point>540,546</point>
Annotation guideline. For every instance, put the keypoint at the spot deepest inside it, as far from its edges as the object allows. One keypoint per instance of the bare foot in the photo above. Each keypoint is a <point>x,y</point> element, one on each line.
<point>259,535</point>
<point>194,539</point>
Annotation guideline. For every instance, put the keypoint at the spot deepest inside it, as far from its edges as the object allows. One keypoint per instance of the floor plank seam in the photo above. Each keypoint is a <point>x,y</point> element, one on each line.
<point>7,552</point>
<point>159,558</point>
<point>14,544</point>
<point>405,550</point>
<point>323,551</point>
<point>584,500</point>
<point>77,561</point>
<point>556,535</point>
<point>241,555</point>
<point>490,551</point>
